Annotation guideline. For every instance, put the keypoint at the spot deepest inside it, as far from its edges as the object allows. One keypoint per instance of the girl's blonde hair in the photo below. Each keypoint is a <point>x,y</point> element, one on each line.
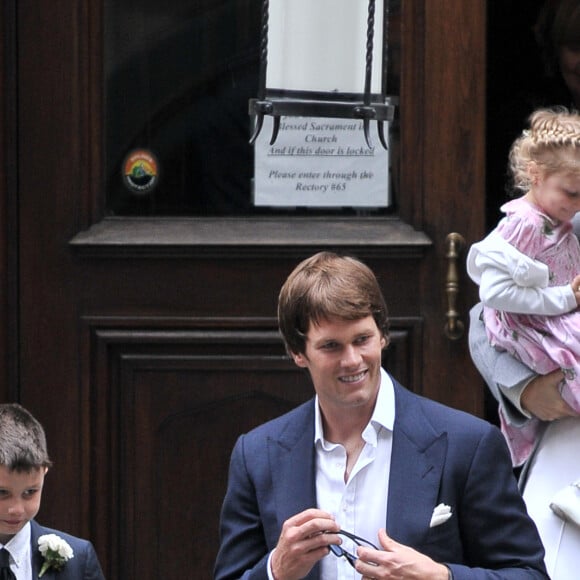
<point>552,143</point>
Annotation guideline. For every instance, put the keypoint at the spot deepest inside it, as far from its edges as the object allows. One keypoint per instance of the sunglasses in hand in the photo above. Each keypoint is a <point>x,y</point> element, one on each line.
<point>340,552</point>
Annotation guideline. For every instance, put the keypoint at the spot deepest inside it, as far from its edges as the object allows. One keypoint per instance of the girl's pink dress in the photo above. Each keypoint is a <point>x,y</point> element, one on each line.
<point>543,343</point>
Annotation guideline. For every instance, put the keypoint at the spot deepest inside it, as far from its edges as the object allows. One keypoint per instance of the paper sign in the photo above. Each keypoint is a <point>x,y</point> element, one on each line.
<point>320,162</point>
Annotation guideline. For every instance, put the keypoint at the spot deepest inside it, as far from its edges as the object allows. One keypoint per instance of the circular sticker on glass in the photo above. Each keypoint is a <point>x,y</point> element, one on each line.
<point>140,171</point>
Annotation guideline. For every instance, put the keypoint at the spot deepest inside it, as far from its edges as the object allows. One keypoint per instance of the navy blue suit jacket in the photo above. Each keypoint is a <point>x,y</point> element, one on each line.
<point>439,455</point>
<point>83,566</point>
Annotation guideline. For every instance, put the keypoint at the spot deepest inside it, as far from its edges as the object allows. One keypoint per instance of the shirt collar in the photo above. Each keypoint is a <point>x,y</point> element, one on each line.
<point>19,545</point>
<point>383,413</point>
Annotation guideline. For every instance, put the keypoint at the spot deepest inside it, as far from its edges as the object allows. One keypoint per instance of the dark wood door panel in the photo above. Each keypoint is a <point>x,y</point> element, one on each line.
<point>175,459</point>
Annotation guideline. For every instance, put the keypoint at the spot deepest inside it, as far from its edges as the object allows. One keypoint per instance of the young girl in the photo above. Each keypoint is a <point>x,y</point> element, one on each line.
<point>528,268</point>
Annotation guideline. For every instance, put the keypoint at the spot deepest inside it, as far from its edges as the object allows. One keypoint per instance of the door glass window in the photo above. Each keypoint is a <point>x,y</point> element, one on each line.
<point>179,77</point>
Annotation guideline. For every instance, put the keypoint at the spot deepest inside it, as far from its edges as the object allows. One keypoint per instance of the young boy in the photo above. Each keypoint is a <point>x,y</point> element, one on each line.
<point>33,551</point>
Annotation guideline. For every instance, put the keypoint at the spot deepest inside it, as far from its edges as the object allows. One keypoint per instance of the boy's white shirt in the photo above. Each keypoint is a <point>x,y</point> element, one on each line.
<point>19,548</point>
<point>511,281</point>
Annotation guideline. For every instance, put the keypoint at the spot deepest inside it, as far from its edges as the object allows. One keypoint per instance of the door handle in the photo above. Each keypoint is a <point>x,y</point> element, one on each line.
<point>454,327</point>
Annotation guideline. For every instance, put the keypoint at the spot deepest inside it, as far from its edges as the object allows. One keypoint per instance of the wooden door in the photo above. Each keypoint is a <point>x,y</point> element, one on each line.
<point>147,345</point>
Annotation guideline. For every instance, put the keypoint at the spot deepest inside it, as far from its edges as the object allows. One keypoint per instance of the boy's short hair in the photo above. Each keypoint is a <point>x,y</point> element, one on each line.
<point>327,286</point>
<point>22,440</point>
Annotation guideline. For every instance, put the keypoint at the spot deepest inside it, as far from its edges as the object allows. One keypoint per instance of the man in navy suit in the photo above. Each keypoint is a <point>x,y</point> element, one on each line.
<point>367,479</point>
<point>24,462</point>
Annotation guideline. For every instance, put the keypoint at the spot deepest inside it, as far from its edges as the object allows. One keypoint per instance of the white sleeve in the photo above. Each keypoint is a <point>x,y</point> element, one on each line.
<point>511,281</point>
<point>269,568</point>
<point>514,396</point>
<point>499,291</point>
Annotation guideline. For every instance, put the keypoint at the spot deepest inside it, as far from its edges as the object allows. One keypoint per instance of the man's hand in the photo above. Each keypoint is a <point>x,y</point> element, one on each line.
<point>302,543</point>
<point>397,562</point>
<point>542,398</point>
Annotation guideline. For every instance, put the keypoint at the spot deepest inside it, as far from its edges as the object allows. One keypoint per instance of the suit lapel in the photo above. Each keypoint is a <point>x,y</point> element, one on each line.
<point>418,456</point>
<point>417,461</point>
<point>292,458</point>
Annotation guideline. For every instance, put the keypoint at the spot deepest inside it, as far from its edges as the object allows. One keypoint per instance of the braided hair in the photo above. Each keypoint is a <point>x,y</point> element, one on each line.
<point>552,142</point>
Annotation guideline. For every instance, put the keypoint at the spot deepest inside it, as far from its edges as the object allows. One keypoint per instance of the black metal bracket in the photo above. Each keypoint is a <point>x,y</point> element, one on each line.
<point>365,106</point>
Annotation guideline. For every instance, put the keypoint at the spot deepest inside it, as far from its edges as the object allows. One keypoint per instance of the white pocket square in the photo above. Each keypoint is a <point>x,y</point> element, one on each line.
<point>441,514</point>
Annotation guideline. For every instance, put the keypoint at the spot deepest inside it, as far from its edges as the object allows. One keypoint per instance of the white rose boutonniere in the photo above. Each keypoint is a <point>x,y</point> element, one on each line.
<point>55,551</point>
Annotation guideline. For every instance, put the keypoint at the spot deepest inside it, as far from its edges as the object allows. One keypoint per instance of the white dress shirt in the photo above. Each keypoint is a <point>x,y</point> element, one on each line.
<point>20,557</point>
<point>360,504</point>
